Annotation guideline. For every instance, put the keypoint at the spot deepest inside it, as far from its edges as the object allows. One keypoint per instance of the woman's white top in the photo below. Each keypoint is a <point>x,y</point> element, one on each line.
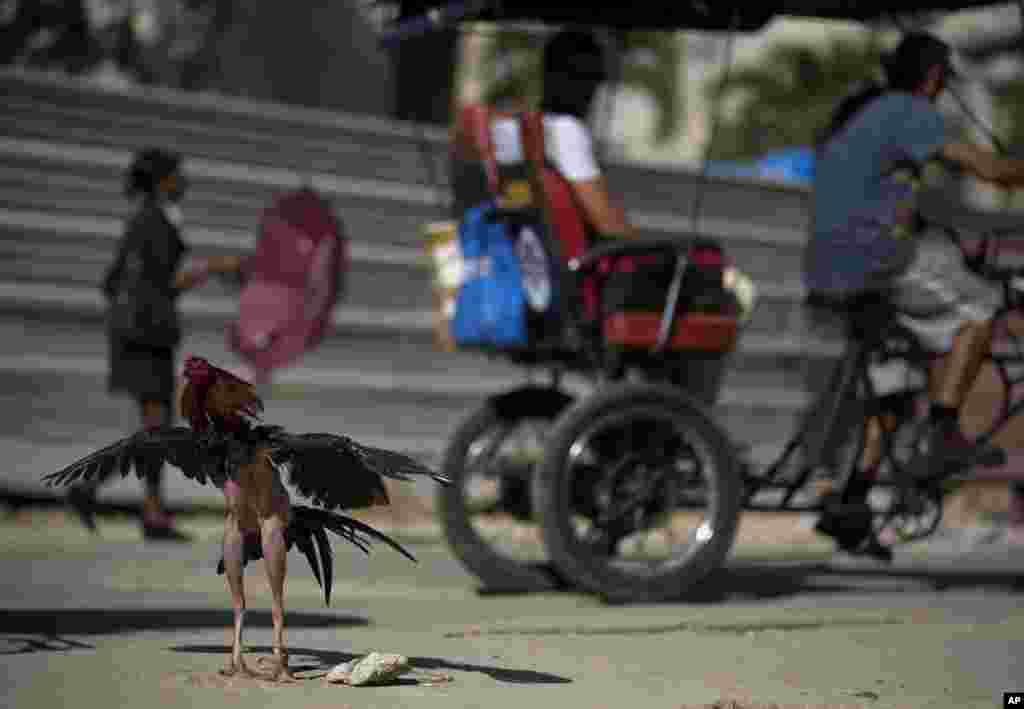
<point>567,145</point>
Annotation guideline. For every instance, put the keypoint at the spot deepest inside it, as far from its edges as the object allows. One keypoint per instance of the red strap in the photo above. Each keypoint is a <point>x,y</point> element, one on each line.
<point>474,125</point>
<point>531,135</point>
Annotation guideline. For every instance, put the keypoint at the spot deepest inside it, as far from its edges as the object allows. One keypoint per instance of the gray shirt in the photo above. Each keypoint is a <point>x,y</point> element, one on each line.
<point>864,202</point>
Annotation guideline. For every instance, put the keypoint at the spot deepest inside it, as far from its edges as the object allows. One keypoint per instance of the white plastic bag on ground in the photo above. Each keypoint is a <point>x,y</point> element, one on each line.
<point>376,668</point>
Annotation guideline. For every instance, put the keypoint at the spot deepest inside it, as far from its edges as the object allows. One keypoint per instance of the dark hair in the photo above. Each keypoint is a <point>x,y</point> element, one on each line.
<point>905,68</point>
<point>148,168</point>
<point>573,67</point>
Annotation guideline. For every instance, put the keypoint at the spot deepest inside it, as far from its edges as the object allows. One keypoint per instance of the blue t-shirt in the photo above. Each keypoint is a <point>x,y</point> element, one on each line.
<point>864,202</point>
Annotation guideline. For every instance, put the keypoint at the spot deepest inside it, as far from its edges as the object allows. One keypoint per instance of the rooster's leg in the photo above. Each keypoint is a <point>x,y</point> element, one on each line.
<point>234,561</point>
<point>275,555</point>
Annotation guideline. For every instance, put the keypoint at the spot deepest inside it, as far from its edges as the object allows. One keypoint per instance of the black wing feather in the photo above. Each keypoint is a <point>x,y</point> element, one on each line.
<point>100,464</point>
<point>391,464</point>
<point>336,472</point>
<point>193,454</point>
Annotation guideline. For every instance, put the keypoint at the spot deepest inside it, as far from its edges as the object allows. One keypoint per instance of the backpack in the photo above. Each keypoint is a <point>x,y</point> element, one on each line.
<point>292,282</point>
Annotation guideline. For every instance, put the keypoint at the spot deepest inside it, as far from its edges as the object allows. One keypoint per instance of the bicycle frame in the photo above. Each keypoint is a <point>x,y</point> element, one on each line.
<point>850,393</point>
<point>851,374</point>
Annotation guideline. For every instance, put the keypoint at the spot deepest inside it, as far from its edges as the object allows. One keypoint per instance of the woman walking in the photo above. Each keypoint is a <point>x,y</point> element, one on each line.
<point>142,288</point>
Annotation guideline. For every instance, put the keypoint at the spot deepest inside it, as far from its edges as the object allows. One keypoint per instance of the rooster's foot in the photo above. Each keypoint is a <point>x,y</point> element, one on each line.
<point>279,670</point>
<point>237,668</point>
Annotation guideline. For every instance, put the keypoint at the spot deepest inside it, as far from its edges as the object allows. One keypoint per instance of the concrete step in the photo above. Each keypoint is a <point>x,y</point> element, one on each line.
<point>101,197</point>
<point>61,305</point>
<point>317,140</point>
<point>366,289</point>
<point>758,359</point>
<point>71,248</point>
<point>360,336</point>
<point>50,435</point>
<point>371,210</point>
<point>45,176</point>
<point>433,402</point>
<point>359,146</point>
<point>395,155</point>
<point>50,253</point>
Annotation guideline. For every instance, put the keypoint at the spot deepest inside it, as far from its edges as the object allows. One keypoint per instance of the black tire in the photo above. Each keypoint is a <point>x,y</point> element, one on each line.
<point>579,562</point>
<point>498,572</point>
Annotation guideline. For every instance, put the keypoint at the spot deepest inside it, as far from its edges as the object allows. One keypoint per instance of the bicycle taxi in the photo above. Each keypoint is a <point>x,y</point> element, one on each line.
<point>633,488</point>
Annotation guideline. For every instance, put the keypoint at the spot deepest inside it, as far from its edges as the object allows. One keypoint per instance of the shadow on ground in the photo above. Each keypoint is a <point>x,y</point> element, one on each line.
<point>326,659</point>
<point>16,500</point>
<point>46,628</point>
<point>766,580</point>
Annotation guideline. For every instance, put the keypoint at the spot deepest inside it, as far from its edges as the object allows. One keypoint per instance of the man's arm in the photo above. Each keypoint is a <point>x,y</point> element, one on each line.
<point>187,279</point>
<point>573,155</point>
<point>984,164</point>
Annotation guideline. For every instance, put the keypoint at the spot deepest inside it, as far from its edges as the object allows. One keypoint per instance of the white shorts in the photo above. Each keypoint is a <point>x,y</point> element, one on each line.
<point>936,296</point>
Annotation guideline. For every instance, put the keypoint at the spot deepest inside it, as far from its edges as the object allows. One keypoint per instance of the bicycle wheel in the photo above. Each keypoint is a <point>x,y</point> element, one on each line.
<point>485,513</point>
<point>639,493</point>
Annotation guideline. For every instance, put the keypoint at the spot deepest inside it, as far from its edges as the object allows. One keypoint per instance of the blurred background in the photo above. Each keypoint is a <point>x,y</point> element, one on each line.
<point>263,97</point>
<point>784,79</point>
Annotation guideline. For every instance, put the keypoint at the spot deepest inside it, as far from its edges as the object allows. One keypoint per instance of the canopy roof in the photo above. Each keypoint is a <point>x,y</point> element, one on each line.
<point>708,15</point>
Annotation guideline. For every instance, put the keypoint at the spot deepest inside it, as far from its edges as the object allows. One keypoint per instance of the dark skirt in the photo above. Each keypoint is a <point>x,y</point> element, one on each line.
<point>144,373</point>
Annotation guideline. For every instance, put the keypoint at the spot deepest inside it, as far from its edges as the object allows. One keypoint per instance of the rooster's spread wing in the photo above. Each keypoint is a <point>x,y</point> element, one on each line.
<point>336,472</point>
<point>197,456</point>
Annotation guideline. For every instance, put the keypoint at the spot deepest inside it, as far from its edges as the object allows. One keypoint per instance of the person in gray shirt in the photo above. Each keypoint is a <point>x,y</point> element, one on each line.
<point>864,241</point>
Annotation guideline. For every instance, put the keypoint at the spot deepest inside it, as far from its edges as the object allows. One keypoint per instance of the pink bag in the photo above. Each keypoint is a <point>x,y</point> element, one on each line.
<point>292,283</point>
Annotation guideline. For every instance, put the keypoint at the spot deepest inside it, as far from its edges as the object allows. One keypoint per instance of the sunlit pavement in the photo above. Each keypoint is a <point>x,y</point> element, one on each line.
<point>110,621</point>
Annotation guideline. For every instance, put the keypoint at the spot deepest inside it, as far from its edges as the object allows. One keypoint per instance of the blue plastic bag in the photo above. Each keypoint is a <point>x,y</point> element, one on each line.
<point>491,303</point>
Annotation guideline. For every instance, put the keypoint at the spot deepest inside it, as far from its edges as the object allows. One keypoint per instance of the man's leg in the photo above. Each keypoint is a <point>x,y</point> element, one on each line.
<point>961,367</point>
<point>846,516</point>
<point>949,448</point>
<point>950,310</point>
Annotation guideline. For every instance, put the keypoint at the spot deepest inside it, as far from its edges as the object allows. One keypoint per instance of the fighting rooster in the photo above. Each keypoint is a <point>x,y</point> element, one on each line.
<point>225,444</point>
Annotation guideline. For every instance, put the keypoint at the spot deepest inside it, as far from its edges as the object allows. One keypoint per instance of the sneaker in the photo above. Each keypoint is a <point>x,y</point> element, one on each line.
<point>850,525</point>
<point>950,451</point>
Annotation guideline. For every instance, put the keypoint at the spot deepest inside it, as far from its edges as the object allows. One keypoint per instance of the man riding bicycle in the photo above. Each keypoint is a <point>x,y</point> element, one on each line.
<point>864,240</point>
